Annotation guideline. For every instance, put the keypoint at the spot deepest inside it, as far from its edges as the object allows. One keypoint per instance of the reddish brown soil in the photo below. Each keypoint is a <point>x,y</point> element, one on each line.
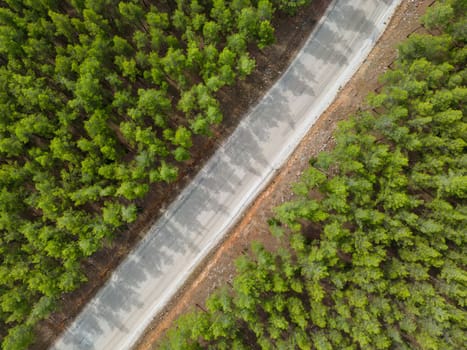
<point>291,33</point>
<point>218,268</point>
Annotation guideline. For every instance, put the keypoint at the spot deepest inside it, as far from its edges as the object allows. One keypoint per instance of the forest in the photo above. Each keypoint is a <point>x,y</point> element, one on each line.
<point>373,245</point>
<point>100,99</point>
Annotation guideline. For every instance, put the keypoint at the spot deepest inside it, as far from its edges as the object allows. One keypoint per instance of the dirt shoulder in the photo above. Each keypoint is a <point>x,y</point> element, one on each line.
<point>218,268</point>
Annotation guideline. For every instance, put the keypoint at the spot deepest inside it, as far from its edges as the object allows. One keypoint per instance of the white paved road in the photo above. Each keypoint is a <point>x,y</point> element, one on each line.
<point>237,172</point>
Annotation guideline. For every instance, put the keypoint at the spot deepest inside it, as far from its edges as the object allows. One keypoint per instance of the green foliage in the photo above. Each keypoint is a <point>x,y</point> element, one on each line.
<point>373,245</point>
<point>98,100</point>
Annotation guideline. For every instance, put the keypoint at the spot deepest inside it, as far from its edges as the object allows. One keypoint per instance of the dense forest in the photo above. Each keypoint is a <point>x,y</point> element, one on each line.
<point>374,243</point>
<point>99,99</point>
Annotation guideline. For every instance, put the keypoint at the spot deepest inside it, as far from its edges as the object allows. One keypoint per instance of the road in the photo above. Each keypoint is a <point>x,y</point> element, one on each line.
<point>211,204</point>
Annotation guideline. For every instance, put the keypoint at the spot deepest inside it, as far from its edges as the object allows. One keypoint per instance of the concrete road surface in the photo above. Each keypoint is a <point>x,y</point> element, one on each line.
<point>236,173</point>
